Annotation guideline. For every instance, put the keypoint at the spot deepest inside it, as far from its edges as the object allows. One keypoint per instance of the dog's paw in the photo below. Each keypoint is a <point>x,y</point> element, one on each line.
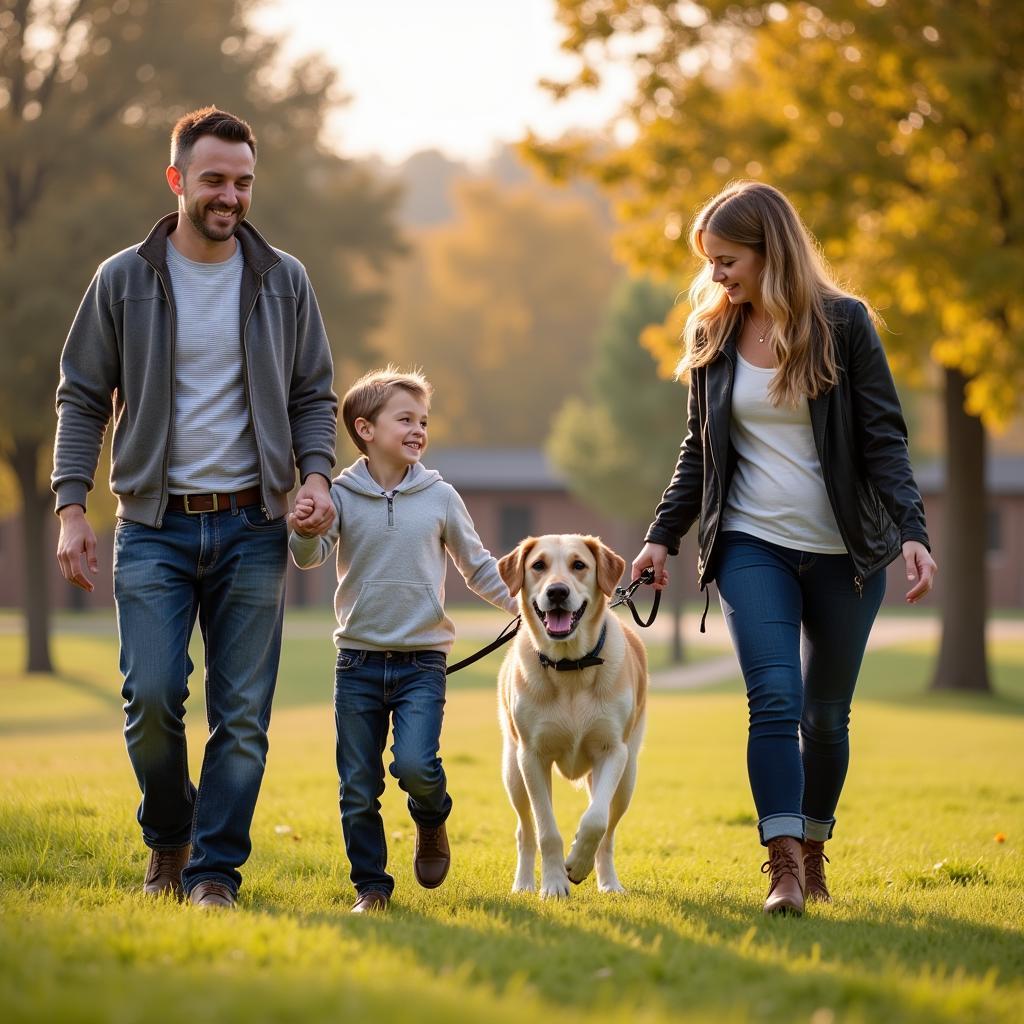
<point>554,886</point>
<point>580,861</point>
<point>610,885</point>
<point>524,885</point>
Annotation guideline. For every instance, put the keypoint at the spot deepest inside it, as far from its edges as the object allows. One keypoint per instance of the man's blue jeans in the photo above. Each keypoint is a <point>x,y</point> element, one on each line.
<point>371,688</point>
<point>226,568</point>
<point>799,627</point>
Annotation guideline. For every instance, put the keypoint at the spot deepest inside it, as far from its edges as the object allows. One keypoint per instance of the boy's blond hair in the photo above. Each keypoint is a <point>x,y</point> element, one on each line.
<point>369,394</point>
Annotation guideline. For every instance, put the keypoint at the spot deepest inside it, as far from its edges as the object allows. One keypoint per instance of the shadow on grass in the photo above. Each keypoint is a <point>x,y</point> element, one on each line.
<point>84,721</point>
<point>737,955</point>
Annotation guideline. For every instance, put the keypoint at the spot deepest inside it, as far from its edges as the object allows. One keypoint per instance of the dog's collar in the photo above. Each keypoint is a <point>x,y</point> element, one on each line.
<point>588,660</point>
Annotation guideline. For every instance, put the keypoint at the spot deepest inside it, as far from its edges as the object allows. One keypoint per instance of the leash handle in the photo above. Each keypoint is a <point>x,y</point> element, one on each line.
<point>502,638</point>
<point>624,595</point>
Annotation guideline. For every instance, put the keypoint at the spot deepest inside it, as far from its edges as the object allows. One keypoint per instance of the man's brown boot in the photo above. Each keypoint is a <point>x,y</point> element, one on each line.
<point>433,857</point>
<point>163,872</point>
<point>371,902</point>
<point>785,868</point>
<point>212,895</point>
<point>814,871</point>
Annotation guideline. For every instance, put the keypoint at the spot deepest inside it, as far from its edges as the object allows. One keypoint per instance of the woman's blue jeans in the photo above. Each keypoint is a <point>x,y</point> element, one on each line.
<point>228,569</point>
<point>372,689</point>
<point>799,627</point>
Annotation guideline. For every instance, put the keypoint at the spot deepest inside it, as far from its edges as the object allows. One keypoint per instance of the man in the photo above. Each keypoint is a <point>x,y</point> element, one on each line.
<point>207,346</point>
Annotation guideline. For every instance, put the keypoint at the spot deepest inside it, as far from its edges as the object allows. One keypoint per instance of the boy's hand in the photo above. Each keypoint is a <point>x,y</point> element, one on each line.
<point>299,519</point>
<point>314,495</point>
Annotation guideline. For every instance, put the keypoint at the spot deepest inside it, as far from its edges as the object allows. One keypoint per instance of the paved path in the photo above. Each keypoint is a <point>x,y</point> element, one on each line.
<point>888,631</point>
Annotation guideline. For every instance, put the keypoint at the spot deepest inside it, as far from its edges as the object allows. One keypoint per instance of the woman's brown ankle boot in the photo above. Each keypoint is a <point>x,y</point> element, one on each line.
<point>814,871</point>
<point>785,868</point>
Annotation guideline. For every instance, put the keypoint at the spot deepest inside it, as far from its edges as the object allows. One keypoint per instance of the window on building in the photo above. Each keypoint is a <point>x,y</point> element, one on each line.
<point>516,522</point>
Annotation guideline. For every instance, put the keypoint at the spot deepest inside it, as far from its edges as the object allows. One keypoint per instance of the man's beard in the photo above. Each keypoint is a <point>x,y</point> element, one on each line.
<point>198,221</point>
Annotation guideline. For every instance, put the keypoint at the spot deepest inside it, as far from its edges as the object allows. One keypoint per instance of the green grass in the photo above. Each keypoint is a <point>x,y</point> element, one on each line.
<point>926,927</point>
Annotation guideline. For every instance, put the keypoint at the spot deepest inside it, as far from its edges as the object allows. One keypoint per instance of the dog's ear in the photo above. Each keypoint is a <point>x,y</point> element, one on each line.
<point>610,566</point>
<point>512,567</point>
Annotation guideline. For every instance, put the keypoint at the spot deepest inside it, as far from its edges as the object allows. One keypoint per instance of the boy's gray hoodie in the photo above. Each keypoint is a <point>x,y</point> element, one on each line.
<point>391,560</point>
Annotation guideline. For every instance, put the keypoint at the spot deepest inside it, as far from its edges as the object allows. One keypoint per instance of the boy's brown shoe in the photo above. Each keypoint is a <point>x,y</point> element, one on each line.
<point>213,895</point>
<point>433,857</point>
<point>372,902</point>
<point>163,872</point>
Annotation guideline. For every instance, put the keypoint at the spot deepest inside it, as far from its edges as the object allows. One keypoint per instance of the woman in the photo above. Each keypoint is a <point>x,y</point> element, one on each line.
<point>795,464</point>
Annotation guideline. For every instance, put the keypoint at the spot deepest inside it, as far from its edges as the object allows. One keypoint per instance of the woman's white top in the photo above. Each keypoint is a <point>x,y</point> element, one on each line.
<point>777,491</point>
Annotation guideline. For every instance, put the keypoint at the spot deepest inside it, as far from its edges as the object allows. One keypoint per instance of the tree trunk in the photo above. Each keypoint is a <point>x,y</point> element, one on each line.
<point>35,513</point>
<point>962,663</point>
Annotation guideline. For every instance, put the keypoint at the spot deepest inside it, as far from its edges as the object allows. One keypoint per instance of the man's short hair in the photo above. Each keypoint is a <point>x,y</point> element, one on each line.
<point>191,127</point>
<point>369,394</point>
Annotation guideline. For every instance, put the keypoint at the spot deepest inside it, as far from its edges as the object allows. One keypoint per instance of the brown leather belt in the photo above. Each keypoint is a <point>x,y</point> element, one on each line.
<point>194,503</point>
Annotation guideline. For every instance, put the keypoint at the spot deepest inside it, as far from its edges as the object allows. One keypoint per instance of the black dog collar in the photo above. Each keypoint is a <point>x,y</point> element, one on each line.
<point>570,665</point>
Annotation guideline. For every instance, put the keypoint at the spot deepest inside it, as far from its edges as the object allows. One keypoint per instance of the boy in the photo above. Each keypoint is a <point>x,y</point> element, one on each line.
<point>394,522</point>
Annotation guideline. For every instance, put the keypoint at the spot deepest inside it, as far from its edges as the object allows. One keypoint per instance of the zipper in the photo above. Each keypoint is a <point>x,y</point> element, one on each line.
<point>248,397</point>
<point>858,585</point>
<point>721,484</point>
<point>170,418</point>
<point>391,507</point>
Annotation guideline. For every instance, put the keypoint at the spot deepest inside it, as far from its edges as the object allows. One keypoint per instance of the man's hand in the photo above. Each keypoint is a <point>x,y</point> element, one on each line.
<point>76,547</point>
<point>316,489</point>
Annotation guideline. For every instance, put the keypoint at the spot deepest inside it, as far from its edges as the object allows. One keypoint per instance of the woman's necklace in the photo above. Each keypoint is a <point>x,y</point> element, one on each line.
<point>763,332</point>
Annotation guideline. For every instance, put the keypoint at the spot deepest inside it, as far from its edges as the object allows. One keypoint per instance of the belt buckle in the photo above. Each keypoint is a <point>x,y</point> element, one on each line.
<point>215,498</point>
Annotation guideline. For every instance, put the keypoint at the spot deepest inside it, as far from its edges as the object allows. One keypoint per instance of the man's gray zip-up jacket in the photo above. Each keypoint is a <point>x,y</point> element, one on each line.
<point>119,360</point>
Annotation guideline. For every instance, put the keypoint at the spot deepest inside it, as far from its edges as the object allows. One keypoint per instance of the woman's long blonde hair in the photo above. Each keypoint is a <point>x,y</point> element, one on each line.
<point>795,284</point>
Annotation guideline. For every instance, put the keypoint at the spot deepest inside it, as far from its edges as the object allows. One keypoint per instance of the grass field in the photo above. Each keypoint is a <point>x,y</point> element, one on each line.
<point>928,923</point>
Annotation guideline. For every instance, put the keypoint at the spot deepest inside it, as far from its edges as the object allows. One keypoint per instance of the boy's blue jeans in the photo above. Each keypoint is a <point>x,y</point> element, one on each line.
<point>372,688</point>
<point>799,628</point>
<point>228,569</point>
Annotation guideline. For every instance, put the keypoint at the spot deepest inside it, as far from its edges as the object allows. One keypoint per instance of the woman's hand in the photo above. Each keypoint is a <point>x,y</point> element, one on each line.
<point>652,555</point>
<point>921,570</point>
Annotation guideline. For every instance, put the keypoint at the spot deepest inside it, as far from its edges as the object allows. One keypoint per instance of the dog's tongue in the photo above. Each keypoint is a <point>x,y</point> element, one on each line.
<point>558,620</point>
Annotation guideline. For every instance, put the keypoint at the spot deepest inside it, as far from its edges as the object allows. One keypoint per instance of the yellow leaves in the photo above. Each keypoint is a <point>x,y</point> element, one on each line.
<point>968,348</point>
<point>910,295</point>
<point>989,354</point>
<point>664,340</point>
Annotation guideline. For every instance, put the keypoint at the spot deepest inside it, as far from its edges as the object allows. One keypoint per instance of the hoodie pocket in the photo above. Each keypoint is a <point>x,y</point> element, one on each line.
<point>396,613</point>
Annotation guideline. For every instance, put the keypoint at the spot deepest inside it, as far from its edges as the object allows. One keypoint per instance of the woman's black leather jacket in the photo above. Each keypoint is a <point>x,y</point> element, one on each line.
<point>860,436</point>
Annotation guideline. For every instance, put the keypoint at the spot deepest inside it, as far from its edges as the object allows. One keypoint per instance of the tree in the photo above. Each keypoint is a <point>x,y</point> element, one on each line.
<point>617,445</point>
<point>499,308</point>
<point>88,94</point>
<point>897,129</point>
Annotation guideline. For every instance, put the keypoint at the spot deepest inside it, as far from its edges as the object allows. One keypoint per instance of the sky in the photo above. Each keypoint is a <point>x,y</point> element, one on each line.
<point>456,75</point>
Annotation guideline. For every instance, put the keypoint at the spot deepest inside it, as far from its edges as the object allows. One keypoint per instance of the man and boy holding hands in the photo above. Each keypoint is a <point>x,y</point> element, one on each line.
<point>205,346</point>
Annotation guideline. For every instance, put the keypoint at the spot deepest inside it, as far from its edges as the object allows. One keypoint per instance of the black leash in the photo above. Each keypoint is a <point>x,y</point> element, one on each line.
<point>502,638</point>
<point>623,595</point>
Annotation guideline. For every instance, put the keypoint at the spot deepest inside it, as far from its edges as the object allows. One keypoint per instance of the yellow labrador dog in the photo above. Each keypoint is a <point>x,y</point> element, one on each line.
<point>571,693</point>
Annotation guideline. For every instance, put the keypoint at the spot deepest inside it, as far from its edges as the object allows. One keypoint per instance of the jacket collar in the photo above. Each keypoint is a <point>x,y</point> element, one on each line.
<point>258,254</point>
